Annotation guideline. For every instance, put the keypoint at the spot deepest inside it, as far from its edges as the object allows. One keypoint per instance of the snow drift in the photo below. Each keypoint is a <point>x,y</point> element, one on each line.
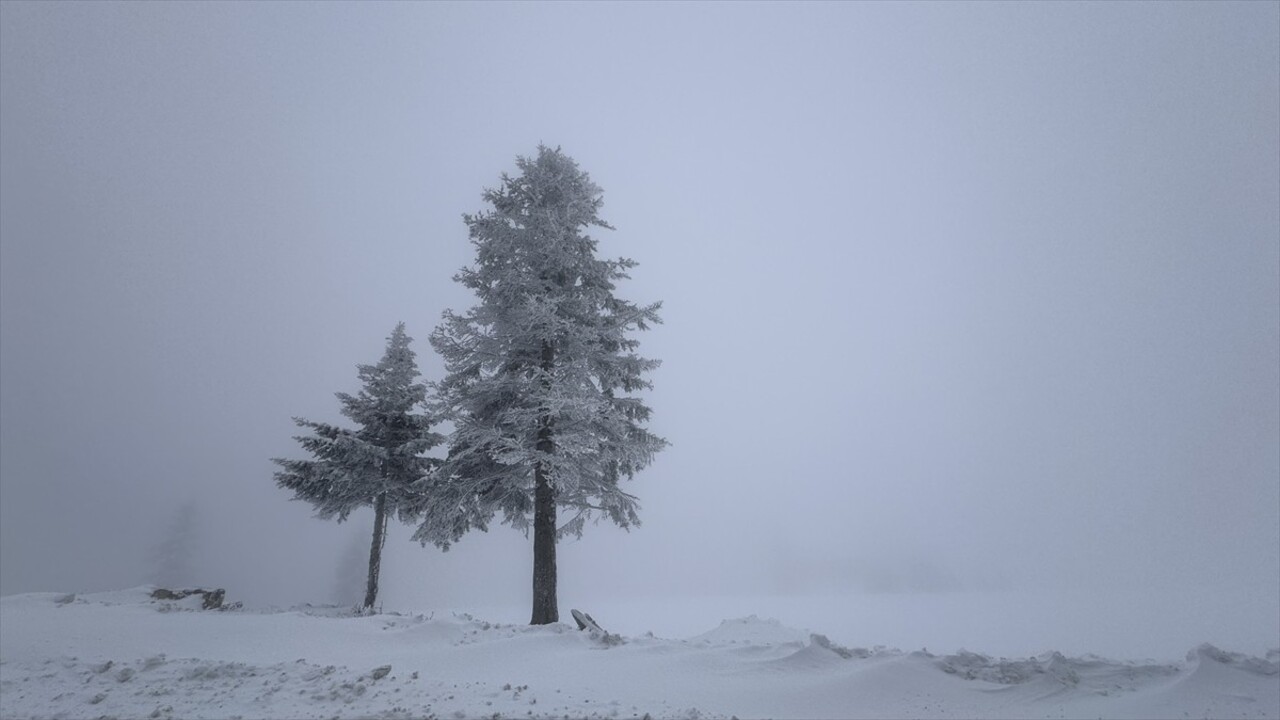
<point>124,654</point>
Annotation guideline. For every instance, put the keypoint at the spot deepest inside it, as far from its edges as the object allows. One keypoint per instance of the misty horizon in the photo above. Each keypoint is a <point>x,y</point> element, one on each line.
<point>958,298</point>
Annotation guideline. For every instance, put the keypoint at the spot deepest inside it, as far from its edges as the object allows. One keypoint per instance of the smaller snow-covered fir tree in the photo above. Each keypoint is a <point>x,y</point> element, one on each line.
<point>376,464</point>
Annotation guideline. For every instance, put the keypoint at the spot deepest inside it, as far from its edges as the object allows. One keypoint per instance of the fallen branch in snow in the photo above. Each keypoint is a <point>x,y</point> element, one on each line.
<point>588,623</point>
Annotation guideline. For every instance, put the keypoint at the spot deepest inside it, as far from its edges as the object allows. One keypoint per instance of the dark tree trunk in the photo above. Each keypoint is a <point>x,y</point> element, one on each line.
<point>545,609</point>
<point>375,551</point>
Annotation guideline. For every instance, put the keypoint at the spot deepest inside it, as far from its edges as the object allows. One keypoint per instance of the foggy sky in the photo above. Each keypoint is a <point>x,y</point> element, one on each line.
<point>956,297</point>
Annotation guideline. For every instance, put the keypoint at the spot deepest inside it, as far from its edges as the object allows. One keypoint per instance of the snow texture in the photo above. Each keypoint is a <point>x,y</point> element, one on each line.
<point>123,654</point>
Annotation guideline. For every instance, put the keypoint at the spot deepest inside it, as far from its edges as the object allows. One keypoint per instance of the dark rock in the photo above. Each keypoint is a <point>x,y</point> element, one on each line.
<point>212,598</point>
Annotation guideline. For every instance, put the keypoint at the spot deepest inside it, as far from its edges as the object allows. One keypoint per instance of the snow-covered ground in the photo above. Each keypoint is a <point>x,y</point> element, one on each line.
<point>122,654</point>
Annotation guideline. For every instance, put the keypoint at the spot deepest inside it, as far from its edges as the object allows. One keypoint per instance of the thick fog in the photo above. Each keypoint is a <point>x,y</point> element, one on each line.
<point>967,307</point>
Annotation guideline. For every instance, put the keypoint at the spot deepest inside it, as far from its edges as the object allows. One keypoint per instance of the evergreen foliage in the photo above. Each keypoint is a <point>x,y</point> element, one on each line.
<point>376,465</point>
<point>540,372</point>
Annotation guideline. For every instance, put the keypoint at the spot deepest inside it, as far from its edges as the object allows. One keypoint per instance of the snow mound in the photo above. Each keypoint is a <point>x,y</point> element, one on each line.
<point>330,611</point>
<point>862,653</point>
<point>1048,666</point>
<point>141,595</point>
<point>751,630</point>
<point>1268,666</point>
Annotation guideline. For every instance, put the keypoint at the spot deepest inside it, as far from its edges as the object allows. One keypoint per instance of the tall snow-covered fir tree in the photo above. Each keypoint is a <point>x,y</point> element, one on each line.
<point>541,374</point>
<point>375,465</point>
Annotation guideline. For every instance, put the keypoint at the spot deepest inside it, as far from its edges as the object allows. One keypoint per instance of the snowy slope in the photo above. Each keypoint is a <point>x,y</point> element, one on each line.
<point>124,655</point>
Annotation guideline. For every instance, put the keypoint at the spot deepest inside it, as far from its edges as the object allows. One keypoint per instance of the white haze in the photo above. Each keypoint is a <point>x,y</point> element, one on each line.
<point>961,301</point>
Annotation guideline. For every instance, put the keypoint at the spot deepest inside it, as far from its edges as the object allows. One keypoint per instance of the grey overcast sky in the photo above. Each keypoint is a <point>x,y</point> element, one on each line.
<point>958,297</point>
